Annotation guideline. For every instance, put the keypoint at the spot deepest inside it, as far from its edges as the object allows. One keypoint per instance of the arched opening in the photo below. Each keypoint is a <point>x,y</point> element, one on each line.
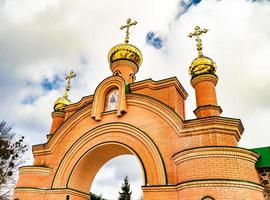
<point>110,177</point>
<point>132,78</point>
<point>96,147</point>
<point>117,73</point>
<point>83,174</point>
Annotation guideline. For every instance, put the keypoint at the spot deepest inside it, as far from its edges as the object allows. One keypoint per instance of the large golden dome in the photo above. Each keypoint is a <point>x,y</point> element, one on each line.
<point>125,52</point>
<point>202,65</point>
<point>61,103</point>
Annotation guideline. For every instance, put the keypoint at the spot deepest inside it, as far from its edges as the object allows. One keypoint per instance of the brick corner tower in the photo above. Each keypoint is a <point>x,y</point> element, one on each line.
<point>212,166</point>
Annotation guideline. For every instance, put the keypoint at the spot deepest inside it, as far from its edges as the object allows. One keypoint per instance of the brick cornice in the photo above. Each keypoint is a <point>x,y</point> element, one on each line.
<point>58,114</point>
<point>221,125</point>
<point>207,107</point>
<point>217,183</point>
<point>214,120</point>
<point>220,183</point>
<point>215,151</point>
<point>80,104</point>
<point>35,169</point>
<point>149,83</point>
<point>52,191</point>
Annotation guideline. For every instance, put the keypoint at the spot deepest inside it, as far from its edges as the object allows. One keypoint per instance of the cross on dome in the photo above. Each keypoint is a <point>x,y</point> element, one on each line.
<point>69,76</point>
<point>127,26</point>
<point>197,32</point>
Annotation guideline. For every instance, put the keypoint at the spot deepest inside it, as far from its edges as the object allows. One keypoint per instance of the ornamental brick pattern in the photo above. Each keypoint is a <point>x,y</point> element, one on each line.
<point>180,159</point>
<point>265,179</point>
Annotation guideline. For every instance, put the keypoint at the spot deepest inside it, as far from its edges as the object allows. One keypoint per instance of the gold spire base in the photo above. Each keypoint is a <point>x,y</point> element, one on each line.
<point>125,52</point>
<point>202,65</point>
<point>61,103</point>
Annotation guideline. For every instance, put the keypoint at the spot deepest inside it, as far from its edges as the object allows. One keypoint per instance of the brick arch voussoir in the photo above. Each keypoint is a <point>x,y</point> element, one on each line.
<point>138,142</point>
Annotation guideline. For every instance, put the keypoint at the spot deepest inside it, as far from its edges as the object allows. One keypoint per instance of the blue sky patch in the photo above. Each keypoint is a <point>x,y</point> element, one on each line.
<point>47,85</point>
<point>154,40</point>
<point>184,5</point>
<point>53,84</point>
<point>29,100</point>
<point>84,60</point>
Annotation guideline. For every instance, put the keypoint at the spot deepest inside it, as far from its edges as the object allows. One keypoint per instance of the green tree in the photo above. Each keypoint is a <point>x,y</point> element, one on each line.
<point>125,193</point>
<point>96,197</point>
<point>11,150</point>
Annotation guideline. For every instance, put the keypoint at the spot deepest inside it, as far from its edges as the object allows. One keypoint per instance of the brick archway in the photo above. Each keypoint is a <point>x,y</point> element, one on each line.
<point>91,151</point>
<point>150,124</point>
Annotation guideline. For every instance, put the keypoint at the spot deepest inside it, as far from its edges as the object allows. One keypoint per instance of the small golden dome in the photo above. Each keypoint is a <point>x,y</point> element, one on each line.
<point>202,65</point>
<point>125,52</point>
<point>61,103</point>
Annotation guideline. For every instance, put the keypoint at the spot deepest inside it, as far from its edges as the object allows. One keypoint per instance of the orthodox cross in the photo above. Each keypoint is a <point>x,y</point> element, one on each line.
<point>68,78</point>
<point>198,31</point>
<point>129,24</point>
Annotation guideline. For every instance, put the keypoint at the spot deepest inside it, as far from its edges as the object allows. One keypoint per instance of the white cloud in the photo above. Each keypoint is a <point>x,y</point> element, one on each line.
<point>112,174</point>
<point>41,39</point>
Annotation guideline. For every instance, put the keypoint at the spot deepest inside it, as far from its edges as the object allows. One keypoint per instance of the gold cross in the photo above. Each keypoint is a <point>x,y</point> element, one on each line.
<point>129,24</point>
<point>198,31</point>
<point>68,78</point>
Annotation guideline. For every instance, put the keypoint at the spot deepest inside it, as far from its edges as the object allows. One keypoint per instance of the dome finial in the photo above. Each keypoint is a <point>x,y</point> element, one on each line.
<point>63,101</point>
<point>197,32</point>
<point>127,26</point>
<point>204,80</point>
<point>125,59</point>
<point>202,64</point>
<point>69,76</point>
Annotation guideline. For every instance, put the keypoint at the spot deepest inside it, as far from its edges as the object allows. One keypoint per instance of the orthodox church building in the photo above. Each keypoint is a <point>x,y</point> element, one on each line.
<point>196,159</point>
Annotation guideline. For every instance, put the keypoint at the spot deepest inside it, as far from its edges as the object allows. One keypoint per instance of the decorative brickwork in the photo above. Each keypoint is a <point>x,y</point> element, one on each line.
<point>265,179</point>
<point>175,160</point>
<point>180,159</point>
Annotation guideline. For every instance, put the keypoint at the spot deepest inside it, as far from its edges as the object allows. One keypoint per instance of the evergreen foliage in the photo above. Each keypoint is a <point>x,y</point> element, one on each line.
<point>96,197</point>
<point>11,151</point>
<point>125,193</point>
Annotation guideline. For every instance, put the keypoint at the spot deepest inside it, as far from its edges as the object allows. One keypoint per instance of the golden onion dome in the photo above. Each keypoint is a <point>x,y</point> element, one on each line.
<point>202,65</point>
<point>61,103</point>
<point>125,51</point>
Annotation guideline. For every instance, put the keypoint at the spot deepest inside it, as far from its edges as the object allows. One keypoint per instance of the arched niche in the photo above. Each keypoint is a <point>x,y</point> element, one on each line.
<point>111,83</point>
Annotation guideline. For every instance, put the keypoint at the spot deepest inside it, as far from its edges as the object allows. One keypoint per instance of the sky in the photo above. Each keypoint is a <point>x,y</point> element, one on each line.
<point>41,41</point>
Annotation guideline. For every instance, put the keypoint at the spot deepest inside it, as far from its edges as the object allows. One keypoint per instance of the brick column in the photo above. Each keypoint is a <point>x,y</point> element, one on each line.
<point>57,120</point>
<point>205,92</point>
